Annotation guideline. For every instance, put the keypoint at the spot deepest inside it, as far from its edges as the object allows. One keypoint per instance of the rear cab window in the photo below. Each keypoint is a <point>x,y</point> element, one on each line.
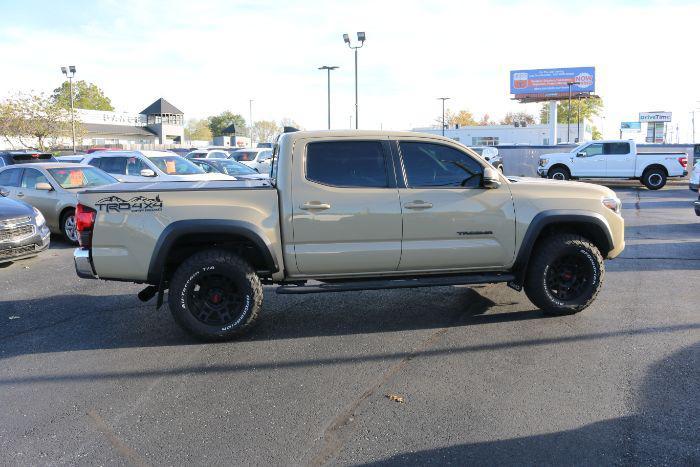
<point>347,164</point>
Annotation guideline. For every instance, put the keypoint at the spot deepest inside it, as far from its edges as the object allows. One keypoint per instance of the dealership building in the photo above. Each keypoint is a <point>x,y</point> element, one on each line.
<point>159,123</point>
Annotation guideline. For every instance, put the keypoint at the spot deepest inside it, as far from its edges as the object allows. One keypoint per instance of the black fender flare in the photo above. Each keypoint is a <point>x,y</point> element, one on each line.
<point>177,229</point>
<point>558,216</point>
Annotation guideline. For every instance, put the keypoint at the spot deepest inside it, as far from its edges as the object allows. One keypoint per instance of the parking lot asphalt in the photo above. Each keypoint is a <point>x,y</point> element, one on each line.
<point>90,375</point>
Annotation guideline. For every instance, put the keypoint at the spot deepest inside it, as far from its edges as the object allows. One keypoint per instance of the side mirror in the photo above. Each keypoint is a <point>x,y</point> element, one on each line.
<point>491,179</point>
<point>581,154</point>
<point>4,192</point>
<point>43,186</point>
<point>147,173</point>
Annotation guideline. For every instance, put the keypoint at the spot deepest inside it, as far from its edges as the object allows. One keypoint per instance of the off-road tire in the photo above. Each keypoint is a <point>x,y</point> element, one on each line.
<point>552,251</point>
<point>500,168</point>
<point>64,217</point>
<point>559,169</point>
<point>195,277</point>
<point>654,178</point>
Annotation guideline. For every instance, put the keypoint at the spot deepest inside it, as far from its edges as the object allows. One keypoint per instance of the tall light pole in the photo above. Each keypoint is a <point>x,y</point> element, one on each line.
<point>70,74</point>
<point>443,99</point>
<point>329,68</point>
<point>250,115</point>
<point>568,116</point>
<point>361,37</point>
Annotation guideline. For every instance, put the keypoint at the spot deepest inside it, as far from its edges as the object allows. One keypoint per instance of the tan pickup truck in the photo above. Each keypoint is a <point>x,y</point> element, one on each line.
<point>350,210</point>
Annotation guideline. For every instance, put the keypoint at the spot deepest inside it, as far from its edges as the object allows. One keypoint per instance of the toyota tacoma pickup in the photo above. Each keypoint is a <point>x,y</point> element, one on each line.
<point>614,159</point>
<point>345,211</point>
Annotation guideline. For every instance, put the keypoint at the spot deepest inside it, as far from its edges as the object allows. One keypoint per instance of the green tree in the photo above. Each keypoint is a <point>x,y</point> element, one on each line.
<point>85,96</point>
<point>595,133</point>
<point>217,123</point>
<point>588,109</point>
<point>511,117</point>
<point>266,131</point>
<point>35,120</point>
<point>197,129</point>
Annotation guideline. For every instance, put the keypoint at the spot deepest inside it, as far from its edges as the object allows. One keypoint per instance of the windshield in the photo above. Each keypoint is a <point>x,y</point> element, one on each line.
<point>175,165</point>
<point>230,167</point>
<point>244,155</point>
<point>81,177</point>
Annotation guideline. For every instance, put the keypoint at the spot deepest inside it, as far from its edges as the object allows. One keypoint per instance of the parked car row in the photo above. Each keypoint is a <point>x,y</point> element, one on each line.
<point>257,159</point>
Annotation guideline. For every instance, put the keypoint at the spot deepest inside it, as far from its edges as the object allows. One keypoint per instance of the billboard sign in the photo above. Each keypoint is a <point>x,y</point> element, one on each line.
<point>552,81</point>
<point>654,117</point>
<point>631,126</point>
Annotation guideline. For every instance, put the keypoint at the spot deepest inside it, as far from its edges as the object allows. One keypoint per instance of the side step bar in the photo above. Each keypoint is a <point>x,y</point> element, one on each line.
<point>398,283</point>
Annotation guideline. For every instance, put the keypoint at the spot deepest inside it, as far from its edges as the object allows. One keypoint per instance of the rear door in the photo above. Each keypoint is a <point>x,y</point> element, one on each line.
<point>346,213</point>
<point>450,222</point>
<point>619,159</point>
<point>589,162</point>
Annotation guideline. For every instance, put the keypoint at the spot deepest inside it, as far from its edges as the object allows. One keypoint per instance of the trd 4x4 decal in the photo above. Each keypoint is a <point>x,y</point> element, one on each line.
<point>135,204</point>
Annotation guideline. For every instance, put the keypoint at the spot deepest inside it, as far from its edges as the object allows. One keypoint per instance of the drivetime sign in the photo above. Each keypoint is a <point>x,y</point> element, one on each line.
<point>654,117</point>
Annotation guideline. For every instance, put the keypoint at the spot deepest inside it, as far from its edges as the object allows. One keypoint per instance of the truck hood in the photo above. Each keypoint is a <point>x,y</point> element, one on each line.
<point>590,188</point>
<point>555,154</point>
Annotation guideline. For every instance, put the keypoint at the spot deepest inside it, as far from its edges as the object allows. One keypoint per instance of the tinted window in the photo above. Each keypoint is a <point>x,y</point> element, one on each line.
<point>31,177</point>
<point>430,164</point>
<point>346,163</point>
<point>134,166</point>
<point>217,155</point>
<point>114,165</point>
<point>593,150</point>
<point>10,177</point>
<point>617,148</point>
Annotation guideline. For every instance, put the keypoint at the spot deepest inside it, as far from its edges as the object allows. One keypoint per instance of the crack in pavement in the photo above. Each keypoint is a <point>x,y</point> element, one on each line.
<point>331,442</point>
<point>125,451</point>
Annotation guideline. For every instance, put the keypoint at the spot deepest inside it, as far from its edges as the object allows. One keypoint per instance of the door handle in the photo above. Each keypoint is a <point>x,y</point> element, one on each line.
<point>314,205</point>
<point>418,204</point>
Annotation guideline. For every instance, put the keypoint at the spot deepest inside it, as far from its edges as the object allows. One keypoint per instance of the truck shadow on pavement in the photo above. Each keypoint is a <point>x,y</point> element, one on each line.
<point>665,430</point>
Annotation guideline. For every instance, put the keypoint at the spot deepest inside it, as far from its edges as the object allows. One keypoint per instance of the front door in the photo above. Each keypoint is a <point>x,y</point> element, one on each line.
<point>589,161</point>
<point>346,212</point>
<point>450,222</point>
<point>45,201</point>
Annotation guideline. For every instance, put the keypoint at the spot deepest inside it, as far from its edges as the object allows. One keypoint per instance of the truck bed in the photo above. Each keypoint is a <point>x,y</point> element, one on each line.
<point>132,217</point>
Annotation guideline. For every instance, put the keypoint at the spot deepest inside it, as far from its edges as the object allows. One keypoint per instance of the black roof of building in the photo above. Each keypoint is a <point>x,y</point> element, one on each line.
<point>161,107</point>
<point>101,129</point>
<point>229,130</point>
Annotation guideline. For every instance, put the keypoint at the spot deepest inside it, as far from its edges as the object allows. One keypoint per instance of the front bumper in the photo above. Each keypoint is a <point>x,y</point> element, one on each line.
<point>27,248</point>
<point>694,186</point>
<point>696,204</point>
<point>542,172</point>
<point>83,264</point>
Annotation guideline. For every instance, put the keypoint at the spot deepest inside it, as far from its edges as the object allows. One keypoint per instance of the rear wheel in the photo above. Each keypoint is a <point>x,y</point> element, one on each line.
<point>500,167</point>
<point>68,227</point>
<point>654,178</point>
<point>215,295</point>
<point>565,274</point>
<point>559,172</point>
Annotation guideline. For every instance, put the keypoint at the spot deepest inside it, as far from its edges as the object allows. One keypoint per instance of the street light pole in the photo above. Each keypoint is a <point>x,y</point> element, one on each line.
<point>70,74</point>
<point>443,99</point>
<point>329,68</point>
<point>361,37</point>
<point>578,121</point>
<point>568,116</point>
<point>250,115</point>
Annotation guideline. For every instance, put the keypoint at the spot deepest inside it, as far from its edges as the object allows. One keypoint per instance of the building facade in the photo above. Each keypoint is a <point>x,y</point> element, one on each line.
<point>494,135</point>
<point>159,123</point>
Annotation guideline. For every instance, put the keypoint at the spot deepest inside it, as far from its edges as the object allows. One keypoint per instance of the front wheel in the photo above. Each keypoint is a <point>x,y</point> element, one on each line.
<point>559,173</point>
<point>565,274</point>
<point>215,295</point>
<point>654,178</point>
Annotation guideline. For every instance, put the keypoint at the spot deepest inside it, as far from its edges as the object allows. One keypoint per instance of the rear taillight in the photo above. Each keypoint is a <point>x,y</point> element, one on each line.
<point>683,161</point>
<point>84,222</point>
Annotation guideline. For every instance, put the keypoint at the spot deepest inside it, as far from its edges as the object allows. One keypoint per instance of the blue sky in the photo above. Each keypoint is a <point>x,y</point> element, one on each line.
<point>210,56</point>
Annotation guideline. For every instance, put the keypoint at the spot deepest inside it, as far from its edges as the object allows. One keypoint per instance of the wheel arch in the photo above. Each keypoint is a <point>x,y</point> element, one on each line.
<point>589,224</point>
<point>181,239</point>
<point>655,165</point>
<point>559,165</point>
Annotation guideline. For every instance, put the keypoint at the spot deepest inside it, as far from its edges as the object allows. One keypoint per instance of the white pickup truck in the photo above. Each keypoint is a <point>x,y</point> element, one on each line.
<point>614,159</point>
